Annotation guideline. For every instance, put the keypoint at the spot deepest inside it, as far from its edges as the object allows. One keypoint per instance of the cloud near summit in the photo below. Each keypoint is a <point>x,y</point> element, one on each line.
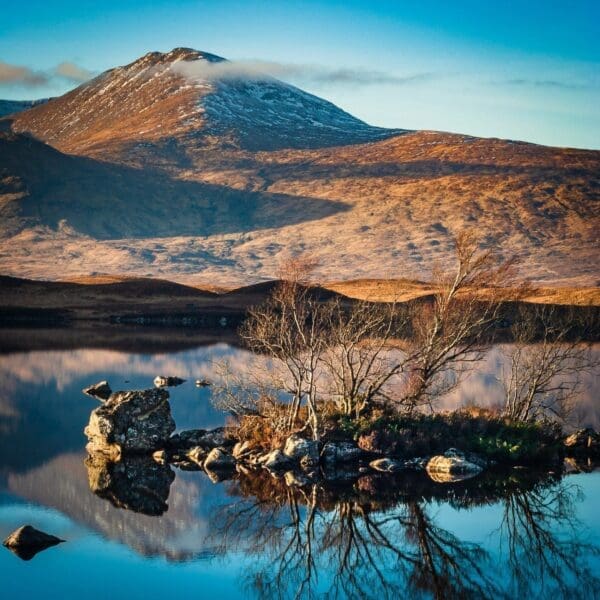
<point>319,75</point>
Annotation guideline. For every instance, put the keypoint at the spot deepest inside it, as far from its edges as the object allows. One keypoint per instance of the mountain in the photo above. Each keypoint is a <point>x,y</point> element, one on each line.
<point>152,170</point>
<point>9,107</point>
<point>156,103</point>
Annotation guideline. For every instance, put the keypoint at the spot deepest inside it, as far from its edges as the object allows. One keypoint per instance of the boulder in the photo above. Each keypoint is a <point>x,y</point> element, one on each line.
<point>170,381</point>
<point>133,421</point>
<point>186,439</point>
<point>218,459</point>
<point>451,466</point>
<point>341,452</point>
<point>27,541</point>
<point>136,483</point>
<point>274,460</point>
<point>100,390</point>
<point>297,447</point>
<point>387,465</point>
<point>197,455</point>
<point>583,441</point>
<point>214,438</point>
<point>241,449</point>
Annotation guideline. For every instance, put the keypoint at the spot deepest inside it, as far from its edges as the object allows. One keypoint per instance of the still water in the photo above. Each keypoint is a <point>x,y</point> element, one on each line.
<point>526,535</point>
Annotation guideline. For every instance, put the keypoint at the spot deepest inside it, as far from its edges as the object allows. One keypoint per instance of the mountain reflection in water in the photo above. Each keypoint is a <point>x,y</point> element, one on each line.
<point>521,535</point>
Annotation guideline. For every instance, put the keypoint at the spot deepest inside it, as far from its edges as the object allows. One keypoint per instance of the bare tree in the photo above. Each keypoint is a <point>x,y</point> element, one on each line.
<point>546,363</point>
<point>361,358</point>
<point>455,329</point>
<point>291,327</point>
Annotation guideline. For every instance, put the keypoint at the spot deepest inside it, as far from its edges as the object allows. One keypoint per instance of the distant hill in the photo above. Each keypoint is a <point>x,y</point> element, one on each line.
<point>147,170</point>
<point>9,107</point>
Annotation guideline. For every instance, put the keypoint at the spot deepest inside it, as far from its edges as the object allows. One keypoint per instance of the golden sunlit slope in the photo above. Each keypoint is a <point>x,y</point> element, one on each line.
<point>215,184</point>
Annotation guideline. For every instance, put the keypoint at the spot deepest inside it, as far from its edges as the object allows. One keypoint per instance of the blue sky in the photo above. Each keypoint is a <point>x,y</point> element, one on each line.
<point>521,70</point>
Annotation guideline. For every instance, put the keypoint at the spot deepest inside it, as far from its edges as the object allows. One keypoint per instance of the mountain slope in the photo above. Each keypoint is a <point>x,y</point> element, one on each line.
<point>152,104</point>
<point>199,183</point>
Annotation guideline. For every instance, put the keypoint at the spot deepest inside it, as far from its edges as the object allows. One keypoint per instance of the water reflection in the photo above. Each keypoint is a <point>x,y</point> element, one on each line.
<point>365,544</point>
<point>520,535</point>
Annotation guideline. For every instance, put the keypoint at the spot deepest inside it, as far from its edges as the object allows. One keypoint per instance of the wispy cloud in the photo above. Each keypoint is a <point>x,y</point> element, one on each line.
<point>26,77</point>
<point>320,75</point>
<point>549,84</point>
<point>16,74</point>
<point>72,72</point>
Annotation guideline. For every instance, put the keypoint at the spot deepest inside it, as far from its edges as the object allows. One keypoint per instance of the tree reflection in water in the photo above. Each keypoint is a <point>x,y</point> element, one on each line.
<point>354,542</point>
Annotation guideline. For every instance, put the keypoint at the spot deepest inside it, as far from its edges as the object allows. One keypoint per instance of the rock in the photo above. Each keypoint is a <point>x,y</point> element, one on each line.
<point>241,449</point>
<point>451,466</point>
<point>162,381</point>
<point>417,463</point>
<point>212,438</point>
<point>293,479</point>
<point>197,454</point>
<point>583,441</point>
<point>220,475</point>
<point>186,439</point>
<point>341,452</point>
<point>100,390</point>
<point>203,383</point>
<point>297,447</point>
<point>218,459</point>
<point>215,437</point>
<point>27,541</point>
<point>160,456</point>
<point>133,421</point>
<point>387,465</point>
<point>274,460</point>
<point>136,483</point>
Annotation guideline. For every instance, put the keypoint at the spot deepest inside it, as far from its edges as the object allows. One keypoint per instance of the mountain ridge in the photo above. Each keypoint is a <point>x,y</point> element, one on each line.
<point>198,206</point>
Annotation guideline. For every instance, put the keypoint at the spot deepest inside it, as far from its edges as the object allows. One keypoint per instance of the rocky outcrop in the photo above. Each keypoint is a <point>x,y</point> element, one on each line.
<point>452,466</point>
<point>137,483</point>
<point>170,381</point>
<point>100,390</point>
<point>27,541</point>
<point>133,421</point>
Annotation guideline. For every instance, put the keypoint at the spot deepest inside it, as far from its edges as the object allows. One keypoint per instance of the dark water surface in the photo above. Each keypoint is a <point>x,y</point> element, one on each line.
<point>524,535</point>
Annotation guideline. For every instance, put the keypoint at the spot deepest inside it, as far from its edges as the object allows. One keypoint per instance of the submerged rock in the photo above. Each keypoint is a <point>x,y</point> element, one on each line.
<point>27,541</point>
<point>131,421</point>
<point>170,381</point>
<point>136,483</point>
<point>452,466</point>
<point>100,390</point>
